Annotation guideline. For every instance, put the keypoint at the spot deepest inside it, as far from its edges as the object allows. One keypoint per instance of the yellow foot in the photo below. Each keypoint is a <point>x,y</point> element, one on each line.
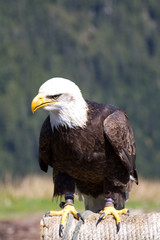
<point>68,209</point>
<point>111,210</point>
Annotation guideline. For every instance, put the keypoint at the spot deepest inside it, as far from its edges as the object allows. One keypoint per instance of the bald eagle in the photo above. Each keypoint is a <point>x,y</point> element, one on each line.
<point>90,147</point>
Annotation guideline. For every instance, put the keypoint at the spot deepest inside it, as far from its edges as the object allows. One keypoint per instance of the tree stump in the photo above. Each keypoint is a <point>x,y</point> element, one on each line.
<point>145,226</point>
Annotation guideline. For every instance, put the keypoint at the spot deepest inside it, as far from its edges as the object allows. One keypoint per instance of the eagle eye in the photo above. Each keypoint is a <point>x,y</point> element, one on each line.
<point>55,97</point>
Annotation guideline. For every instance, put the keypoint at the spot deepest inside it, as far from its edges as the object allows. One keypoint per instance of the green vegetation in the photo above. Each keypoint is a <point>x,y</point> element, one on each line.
<point>144,205</point>
<point>12,207</point>
<point>109,48</point>
<point>33,195</point>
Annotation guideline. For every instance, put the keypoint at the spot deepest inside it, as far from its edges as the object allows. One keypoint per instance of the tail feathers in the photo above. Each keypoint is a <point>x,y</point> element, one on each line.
<point>133,179</point>
<point>94,204</point>
<point>97,204</point>
<point>127,196</point>
<point>120,200</point>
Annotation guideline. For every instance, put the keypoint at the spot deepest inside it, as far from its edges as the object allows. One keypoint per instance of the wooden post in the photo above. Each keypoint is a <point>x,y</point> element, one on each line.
<point>134,227</point>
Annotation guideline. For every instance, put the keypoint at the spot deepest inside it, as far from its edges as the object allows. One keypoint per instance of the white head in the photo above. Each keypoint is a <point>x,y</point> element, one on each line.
<point>63,99</point>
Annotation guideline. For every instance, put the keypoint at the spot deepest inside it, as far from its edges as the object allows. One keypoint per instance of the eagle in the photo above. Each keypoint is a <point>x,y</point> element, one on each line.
<point>90,147</point>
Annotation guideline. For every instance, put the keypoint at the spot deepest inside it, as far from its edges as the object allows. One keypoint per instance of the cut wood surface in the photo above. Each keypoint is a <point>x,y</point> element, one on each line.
<point>141,226</point>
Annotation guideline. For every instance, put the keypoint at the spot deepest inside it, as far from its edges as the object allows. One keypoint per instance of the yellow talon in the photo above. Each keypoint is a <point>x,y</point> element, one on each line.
<point>114,212</point>
<point>111,210</point>
<point>123,211</point>
<point>68,209</point>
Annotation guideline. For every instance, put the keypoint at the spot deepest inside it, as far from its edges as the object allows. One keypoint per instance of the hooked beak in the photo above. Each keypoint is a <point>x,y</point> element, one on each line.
<point>39,102</point>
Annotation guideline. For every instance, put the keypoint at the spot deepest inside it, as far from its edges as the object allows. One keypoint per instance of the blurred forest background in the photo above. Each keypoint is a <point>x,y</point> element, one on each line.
<point>110,48</point>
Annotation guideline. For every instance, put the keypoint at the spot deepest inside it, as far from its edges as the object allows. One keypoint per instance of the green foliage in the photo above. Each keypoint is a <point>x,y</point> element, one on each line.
<point>109,48</point>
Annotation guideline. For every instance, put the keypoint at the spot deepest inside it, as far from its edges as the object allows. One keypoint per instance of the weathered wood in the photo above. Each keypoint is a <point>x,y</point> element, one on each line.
<point>134,227</point>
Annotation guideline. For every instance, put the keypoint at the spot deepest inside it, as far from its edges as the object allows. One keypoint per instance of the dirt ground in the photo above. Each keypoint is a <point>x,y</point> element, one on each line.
<point>21,229</point>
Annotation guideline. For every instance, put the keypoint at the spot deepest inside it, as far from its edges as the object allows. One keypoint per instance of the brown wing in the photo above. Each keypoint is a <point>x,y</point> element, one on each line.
<point>45,154</point>
<point>120,134</point>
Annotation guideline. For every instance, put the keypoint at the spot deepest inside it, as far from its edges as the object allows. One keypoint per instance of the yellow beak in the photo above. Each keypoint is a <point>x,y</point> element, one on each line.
<point>39,102</point>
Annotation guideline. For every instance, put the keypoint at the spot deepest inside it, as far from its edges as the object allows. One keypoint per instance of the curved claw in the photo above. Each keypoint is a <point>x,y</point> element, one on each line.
<point>66,210</point>
<point>61,230</point>
<point>80,216</point>
<point>47,213</point>
<point>118,226</point>
<point>100,218</point>
<point>111,210</point>
<point>62,205</point>
<point>128,212</point>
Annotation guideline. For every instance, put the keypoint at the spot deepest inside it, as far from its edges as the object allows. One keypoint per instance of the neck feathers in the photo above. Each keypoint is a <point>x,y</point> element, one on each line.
<point>72,115</point>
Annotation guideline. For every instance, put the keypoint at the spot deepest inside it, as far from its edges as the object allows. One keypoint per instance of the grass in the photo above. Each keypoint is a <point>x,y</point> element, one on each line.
<point>33,194</point>
<point>145,196</point>
<point>21,207</point>
<point>146,206</point>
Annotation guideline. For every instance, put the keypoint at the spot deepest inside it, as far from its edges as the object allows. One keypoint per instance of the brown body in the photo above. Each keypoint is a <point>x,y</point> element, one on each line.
<point>98,159</point>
